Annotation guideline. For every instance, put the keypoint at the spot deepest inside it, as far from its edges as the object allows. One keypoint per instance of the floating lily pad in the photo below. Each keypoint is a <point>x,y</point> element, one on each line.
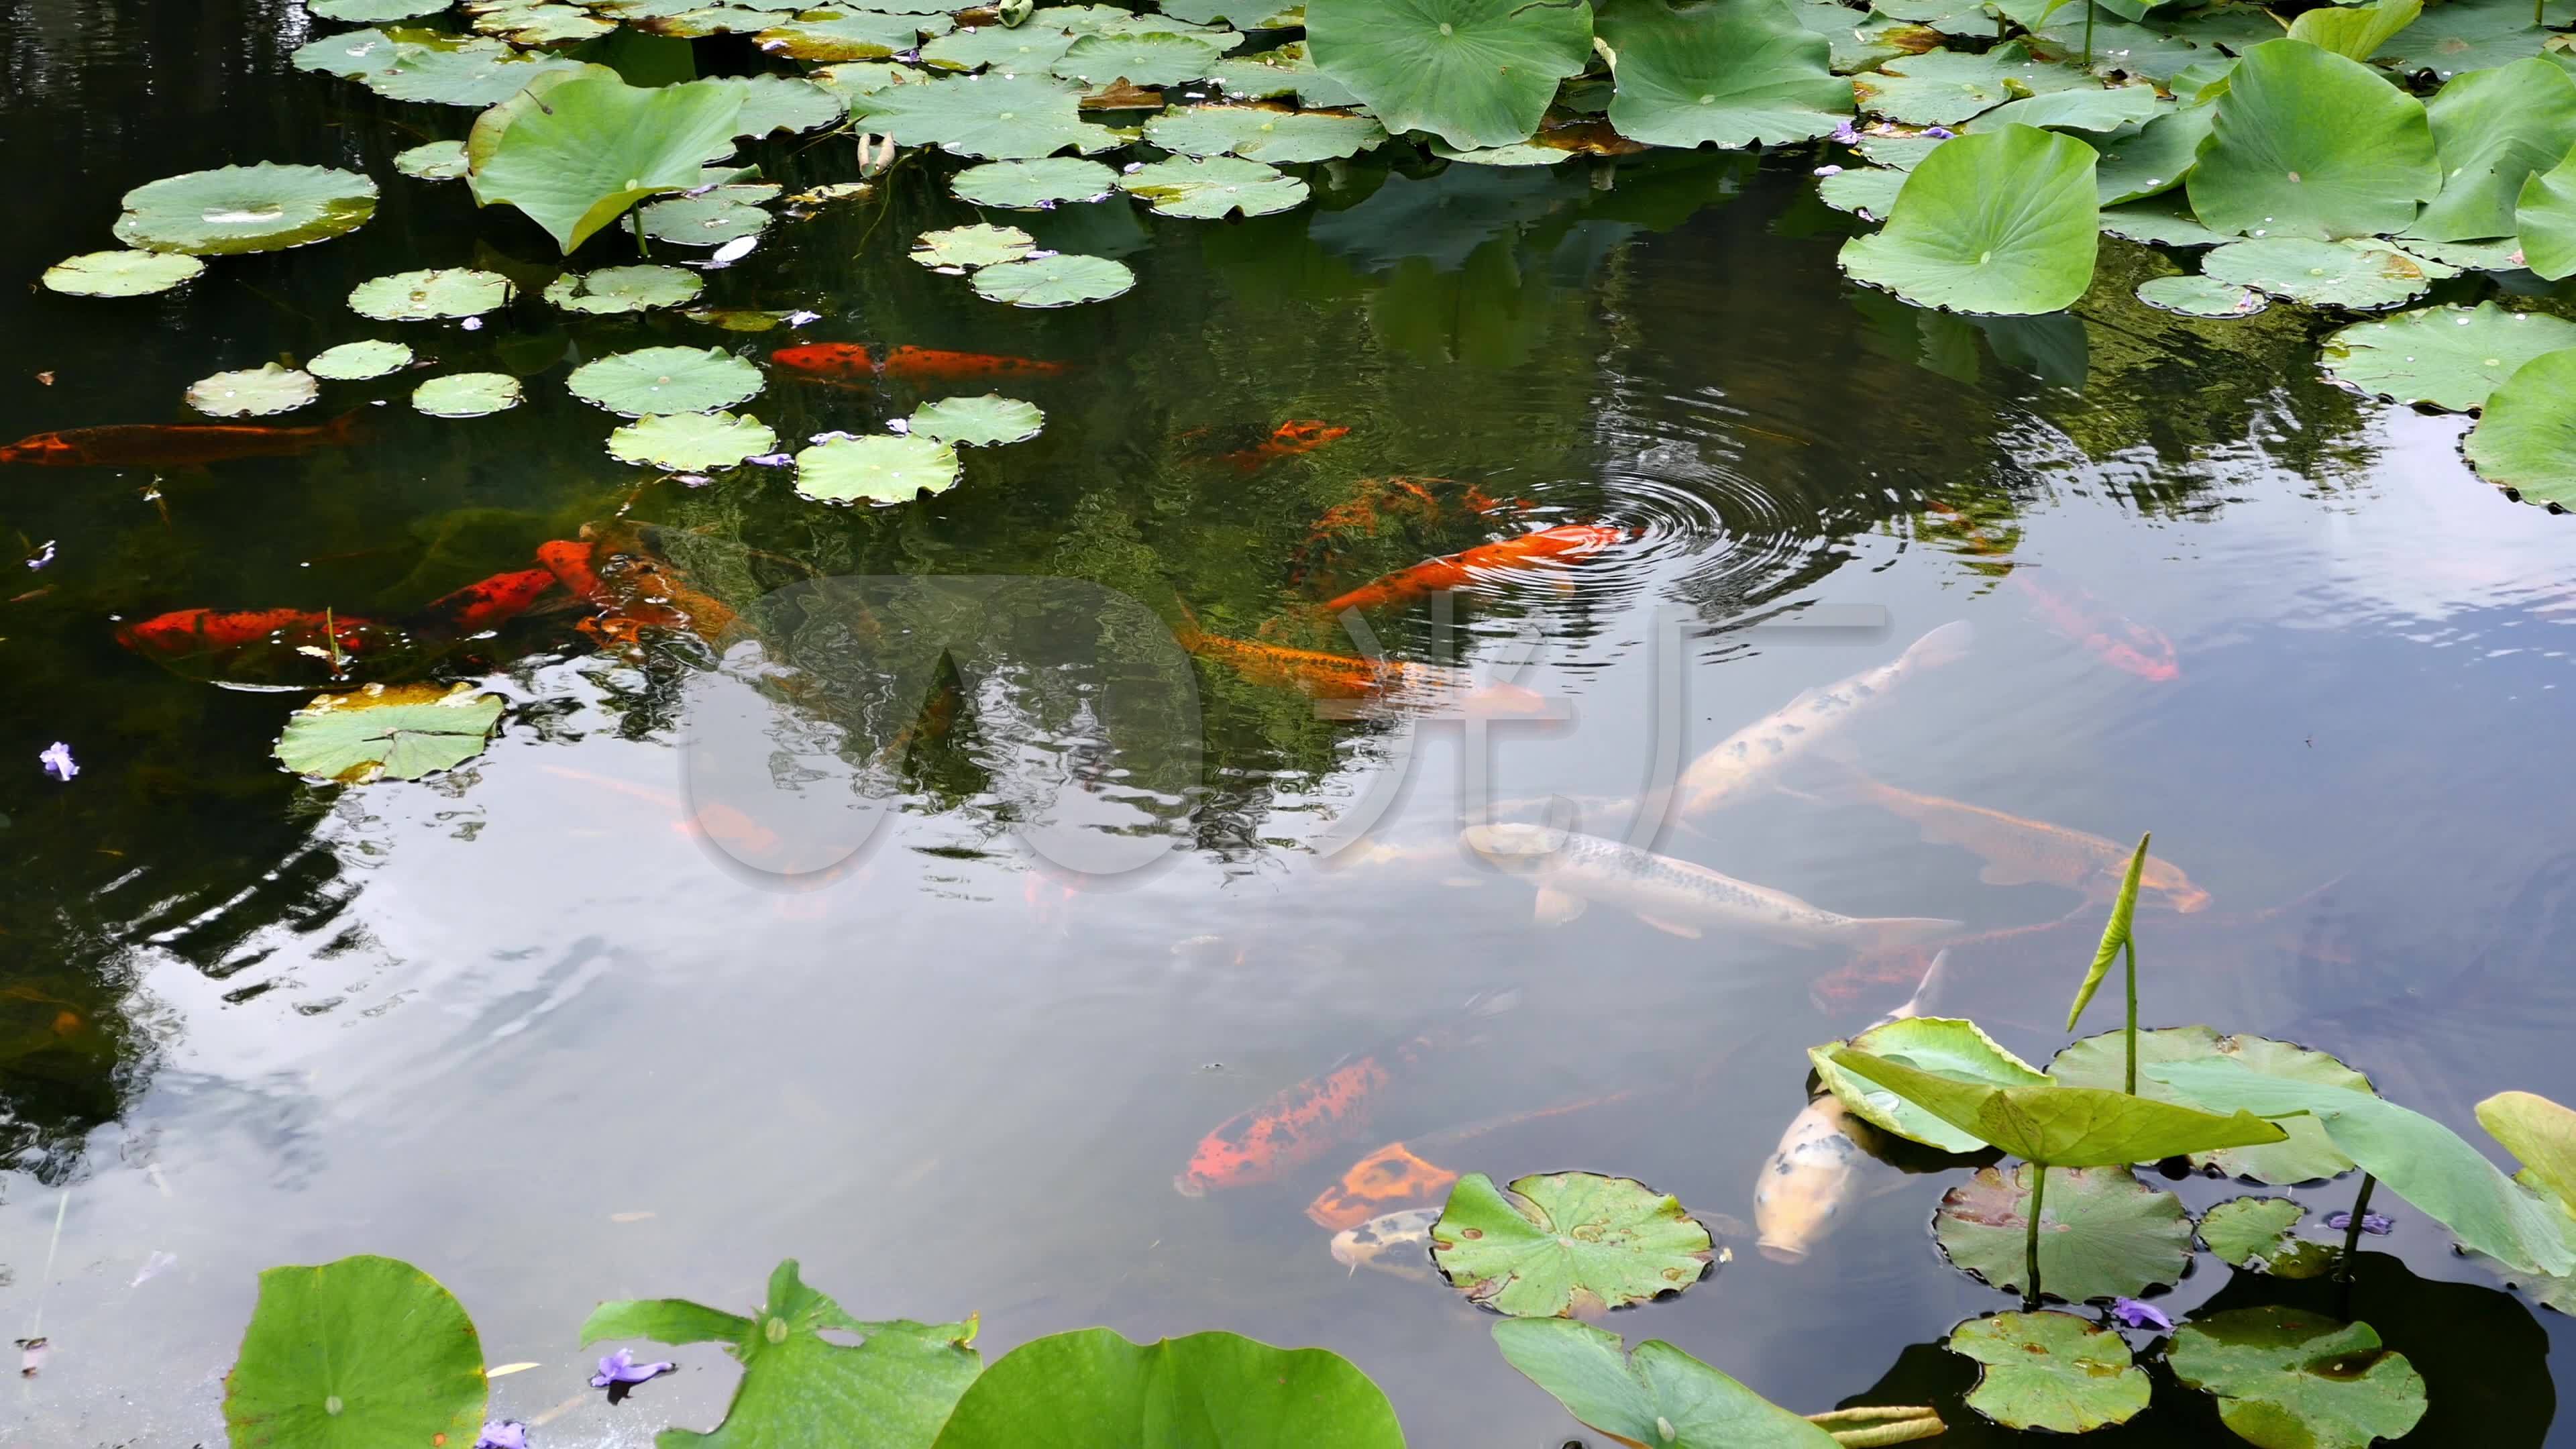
<point>1091,1389</point>
<point>971,246</point>
<point>2160,221</point>
<point>1870,189</point>
<point>1210,189</point>
<point>2503,254</point>
<point>1729,73</point>
<point>348,54</point>
<point>2001,222</point>
<point>1947,1045</point>
<point>579,152</point>
<point>459,71</point>
<point>2284,1376</point>
<point>389,731</point>
<point>234,209</point>
<point>359,361</point>
<point>612,290</point>
<point>2254,1233</point>
<point>2527,439</point>
<point>1903,153</point>
<point>1003,117</point>
<point>1058,281</point>
<point>2050,1371</point>
<point>424,296</point>
<point>256,393</point>
<point>2306,1155</point>
<point>2080,108</point>
<point>1281,72</point>
<point>121,274</point>
<point>1263,133</point>
<point>1525,153</point>
<point>1565,1243</point>
<point>1945,87</point>
<point>2360,275</point>
<point>364,1351</point>
<point>692,442</point>
<point>720,216</point>
<point>2200,297</point>
<point>773,103</point>
<point>1035,185</point>
<point>1662,1396</point>
<point>437,161</point>
<point>986,421</point>
<point>1143,60</point>
<point>2307,144</point>
<point>876,470</point>
<point>2444,357</point>
<point>2154,159</point>
<point>653,380</point>
<point>466,395</point>
<point>2471,35</point>
<point>2102,1233</point>
<point>2494,129</point>
<point>374,12</point>
<point>858,77</point>
<point>839,35</point>
<point>1472,72</point>
<point>1019,49</point>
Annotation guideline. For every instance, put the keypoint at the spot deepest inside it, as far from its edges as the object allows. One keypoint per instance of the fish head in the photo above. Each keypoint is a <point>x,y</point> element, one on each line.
<point>824,358</point>
<point>1799,1200</point>
<point>1513,847</point>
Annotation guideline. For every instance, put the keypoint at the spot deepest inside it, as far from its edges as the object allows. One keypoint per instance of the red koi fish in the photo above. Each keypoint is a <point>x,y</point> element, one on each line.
<point>1564,542</point>
<point>848,361</point>
<point>153,445</point>
<point>2115,639</point>
<point>196,633</point>
<point>1292,439</point>
<point>487,604</point>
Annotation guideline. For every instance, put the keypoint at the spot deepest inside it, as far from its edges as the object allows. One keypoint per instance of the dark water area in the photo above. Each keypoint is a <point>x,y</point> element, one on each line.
<point>521,1025</point>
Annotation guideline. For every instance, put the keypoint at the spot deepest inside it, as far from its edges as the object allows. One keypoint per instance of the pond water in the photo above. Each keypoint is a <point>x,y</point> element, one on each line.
<point>520,1025</point>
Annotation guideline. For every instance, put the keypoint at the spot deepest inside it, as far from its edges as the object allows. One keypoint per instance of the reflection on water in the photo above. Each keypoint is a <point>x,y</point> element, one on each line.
<point>923,932</point>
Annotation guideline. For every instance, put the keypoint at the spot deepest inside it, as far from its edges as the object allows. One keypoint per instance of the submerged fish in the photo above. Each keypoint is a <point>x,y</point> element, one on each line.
<point>1744,757</point>
<point>2026,852</point>
<point>1400,1175</point>
<point>1673,895</point>
<point>1397,1243</point>
<point>185,634</point>
<point>1547,545</point>
<point>1341,676</point>
<point>2115,639</point>
<point>1293,438</point>
<point>851,362</point>
<point>485,604</point>
<point>1799,1194</point>
<point>157,445</point>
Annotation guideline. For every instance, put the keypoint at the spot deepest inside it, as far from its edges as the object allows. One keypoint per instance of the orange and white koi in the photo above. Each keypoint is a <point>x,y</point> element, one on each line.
<point>1736,763</point>
<point>1799,1194</point>
<point>1562,543</point>
<point>2026,852</point>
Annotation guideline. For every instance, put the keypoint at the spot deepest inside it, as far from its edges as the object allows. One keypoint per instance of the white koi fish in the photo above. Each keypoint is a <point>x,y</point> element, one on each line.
<point>1398,1243</point>
<point>1744,758</point>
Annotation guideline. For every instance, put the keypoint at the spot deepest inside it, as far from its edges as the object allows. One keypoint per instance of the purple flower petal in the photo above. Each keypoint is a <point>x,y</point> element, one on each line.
<point>503,1434</point>
<point>1845,135</point>
<point>619,1373</point>
<point>57,760</point>
<point>1940,133</point>
<point>2140,1315</point>
<point>2376,1224</point>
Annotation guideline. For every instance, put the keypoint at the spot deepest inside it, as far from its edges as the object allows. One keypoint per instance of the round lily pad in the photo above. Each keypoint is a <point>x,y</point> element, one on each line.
<point>1566,1242</point>
<point>1035,185</point>
<point>373,12</point>
<point>997,117</point>
<point>876,470</point>
<point>365,1350</point>
<point>2160,221</point>
<point>1213,188</point>
<point>2361,275</point>
<point>2200,297</point>
<point>1144,60</point>
<point>986,420</point>
<point>2254,1233</point>
<point>2444,357</point>
<point>2305,1156</point>
<point>2286,1376</point>
<point>425,296</point>
<point>847,35</point>
<point>691,442</point>
<point>359,361</point>
<point>971,246</point>
<point>2503,255</point>
<point>253,394</point>
<point>779,103</point>
<point>349,53</point>
<point>437,161</point>
<point>121,274</point>
<point>1021,49</point>
<point>467,395</point>
<point>234,209</point>
<point>390,731</point>
<point>469,70</point>
<point>1057,281</point>
<point>1951,1047</point>
<point>2102,1233</point>
<point>2527,439</point>
<point>1519,153</point>
<point>611,290</point>
<point>1264,133</point>
<point>711,220</point>
<point>2050,1371</point>
<point>665,380</point>
<point>1870,189</point>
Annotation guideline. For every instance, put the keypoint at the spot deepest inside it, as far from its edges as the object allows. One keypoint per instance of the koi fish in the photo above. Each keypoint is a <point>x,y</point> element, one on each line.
<point>1547,545</point>
<point>196,633</point>
<point>1319,675</point>
<point>2027,852</point>
<point>2142,651</point>
<point>619,570</point>
<point>1744,757</point>
<point>1398,1176</point>
<point>1672,895</point>
<point>850,361</point>
<point>487,604</point>
<point>1292,439</point>
<point>1799,1194</point>
<point>1396,1242</point>
<point>159,445</point>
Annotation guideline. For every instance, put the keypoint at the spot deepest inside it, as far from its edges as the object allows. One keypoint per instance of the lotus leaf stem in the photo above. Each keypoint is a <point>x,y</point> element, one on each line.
<point>2030,1240</point>
<point>1868,1425</point>
<point>2088,46</point>
<point>2352,1243</point>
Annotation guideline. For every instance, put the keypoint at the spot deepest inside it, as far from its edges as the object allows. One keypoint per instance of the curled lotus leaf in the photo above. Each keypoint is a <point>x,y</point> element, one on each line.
<point>255,393</point>
<point>2065,1126</point>
<point>397,732</point>
<point>1660,1396</point>
<point>971,246</point>
<point>653,380</point>
<point>1142,60</point>
<point>692,442</point>
<point>1035,185</point>
<point>983,421</point>
<point>996,117</point>
<point>1472,72</point>
<point>2051,1371</point>
<point>2493,130</point>
<point>876,470</point>
<point>2153,159</point>
<point>2194,296</point>
<point>436,161</point>
<point>1057,281</point>
<point>2286,1376</point>
<point>234,209</point>
<point>576,154</point>
<point>2254,1233</point>
<point>612,290</point>
<point>363,1351</point>
<point>1091,1389</point>
<point>1263,133</point>
<point>2444,357</point>
<point>466,395</point>
<point>2305,1155</point>
<point>2540,1132</point>
<point>359,361</point>
<point>1950,1046</point>
<point>1017,49</point>
<point>424,296</point>
<point>2545,221</point>
<point>121,273</point>
<point>2102,1233</point>
<point>1567,1242</point>
<point>711,220</point>
<point>2361,275</point>
<point>1213,188</point>
<point>2526,441</point>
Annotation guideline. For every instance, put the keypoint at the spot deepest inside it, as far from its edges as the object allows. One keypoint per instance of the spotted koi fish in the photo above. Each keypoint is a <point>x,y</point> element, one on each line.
<point>1736,763</point>
<point>1563,543</point>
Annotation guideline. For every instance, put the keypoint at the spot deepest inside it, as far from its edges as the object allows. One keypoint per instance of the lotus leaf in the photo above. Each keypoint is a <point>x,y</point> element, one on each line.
<point>1660,1395</point>
<point>2471,35</point>
<point>1243,14</point>
<point>2003,221</point>
<point>2355,31</point>
<point>1566,1243</point>
<point>2545,220</point>
<point>436,161</point>
<point>2494,129</point>
<point>1142,60</point>
<point>2194,296</point>
<point>2306,1155</point>
<point>1943,87</point>
<point>1216,187</point>
<point>359,361</point>
<point>858,77</point>
<point>1004,117</point>
<point>350,53</point>
<point>985,421</point>
<point>709,20</point>
<point>971,246</point>
<point>2102,1233</point>
<point>1021,49</point>
<point>1902,153</point>
<point>2253,1233</point>
<point>1057,281</point>
<point>467,395</point>
<point>691,442</point>
<point>2444,357</point>
<point>2050,1371</point>
<point>2540,1132</point>
<point>653,380</point>
<point>711,220</point>
<point>2308,144</point>
<point>1946,1045</point>
<point>1868,189</point>
<point>1263,133</point>
<point>611,290</point>
<point>836,35</point>
<point>401,732</point>
<point>364,1351</point>
<point>423,296</point>
<point>1860,41</point>
<point>1035,185</point>
<point>1728,72</point>
<point>1112,20</point>
<point>2527,439</point>
<point>2284,1376</point>
<point>1519,153</point>
<point>468,71</point>
<point>876,470</point>
<point>1091,1389</point>
<point>1280,72</point>
<point>2160,221</point>
<point>121,273</point>
<point>2360,275</point>
<point>234,209</point>
<point>256,393</point>
<point>772,103</point>
<point>2083,108</point>
<point>2153,52</point>
<point>2154,159</point>
<point>2501,255</point>
<point>371,12</point>
<point>595,146</point>
<point>1472,72</point>
<point>2061,1125</point>
<point>544,24</point>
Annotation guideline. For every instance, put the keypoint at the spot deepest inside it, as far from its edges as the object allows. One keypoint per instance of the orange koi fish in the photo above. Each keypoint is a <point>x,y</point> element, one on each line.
<point>197,633</point>
<point>1292,439</point>
<point>487,604</point>
<point>2137,648</point>
<point>2026,852</point>
<point>1547,545</point>
<point>1319,675</point>
<point>849,361</point>
<point>619,571</point>
<point>156,445</point>
<point>1408,1174</point>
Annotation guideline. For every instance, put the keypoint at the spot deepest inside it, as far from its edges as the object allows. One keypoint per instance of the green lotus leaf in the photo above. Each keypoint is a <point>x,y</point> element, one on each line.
<point>1519,153</point>
<point>1944,87</point>
<point>466,395</point>
<point>2470,35</point>
<point>397,732</point>
<point>255,393</point>
<point>2504,254</point>
<point>1660,1396</point>
<point>2254,1234</point>
<point>1283,71</point>
<point>2305,1155</point>
<point>2526,441</point>
<point>595,146</point>
<point>1022,49</point>
<point>2358,274</point>
<point>2444,357</point>
<point>2004,221</point>
<point>359,361</point>
<point>982,421</point>
<point>2160,221</point>
<point>424,296</point>
<point>2355,32</point>
<point>858,77</point>
<point>2102,1233</point>
<point>347,54</point>
<point>543,24</point>
<point>121,273</point>
<point>2411,1154</point>
<point>2494,129</point>
<point>1144,60</point>
<point>1566,1243</point>
<point>1472,72</point>
<point>2540,1132</point>
<point>373,12</point>
<point>2285,1376</point>
<point>1946,1045</point>
<point>1727,73</point>
<point>1091,1389</point>
<point>233,209</point>
<point>1869,189</point>
<point>707,20</point>
<point>2150,52</point>
<point>711,220</point>
<point>1004,117</point>
<point>2545,220</point>
<point>459,71</point>
<point>1057,281</point>
<point>2050,1371</point>
<point>1113,20</point>
<point>1242,14</point>
<point>1901,153</point>
<point>1860,41</point>
<point>437,161</point>
<point>1035,185</point>
<point>2195,296</point>
<point>876,470</point>
<point>1214,188</point>
<point>691,442</point>
<point>2061,1125</point>
<point>1263,133</point>
<point>653,380</point>
<point>739,319</point>
<point>2154,159</point>
<point>772,103</point>
<point>971,246</point>
<point>364,1351</point>
<point>836,35</point>
<point>2308,144</point>
<point>2081,108</point>
<point>612,290</point>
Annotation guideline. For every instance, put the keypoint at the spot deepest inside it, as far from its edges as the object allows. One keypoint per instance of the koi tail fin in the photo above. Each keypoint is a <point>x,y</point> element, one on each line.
<point>1883,931</point>
<point>1944,645</point>
<point>1187,632</point>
